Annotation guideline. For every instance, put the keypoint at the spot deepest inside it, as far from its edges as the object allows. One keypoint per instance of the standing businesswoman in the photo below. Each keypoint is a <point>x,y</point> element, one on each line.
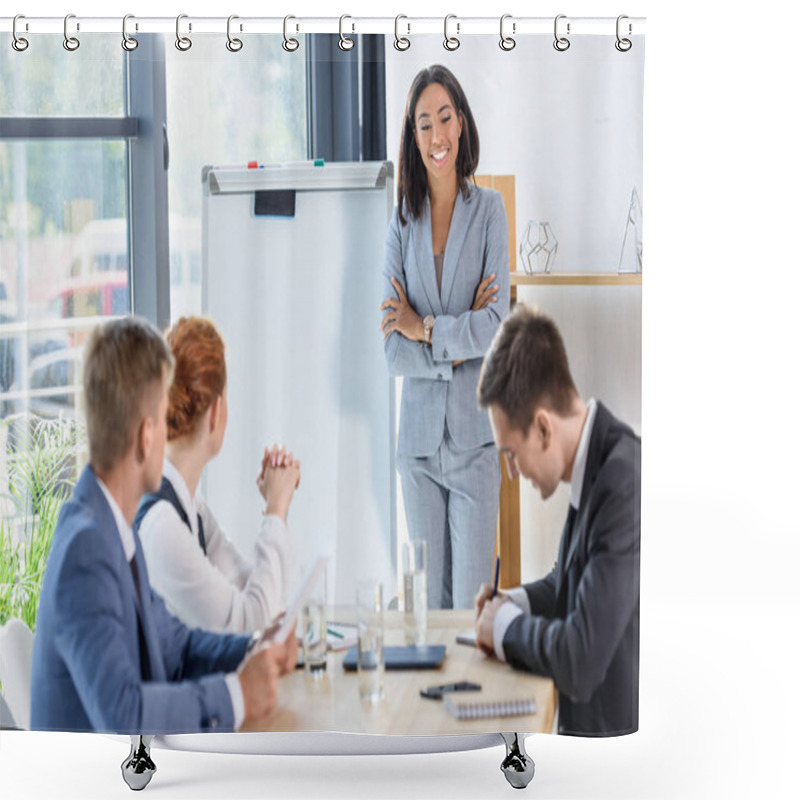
<point>446,290</point>
<point>195,568</point>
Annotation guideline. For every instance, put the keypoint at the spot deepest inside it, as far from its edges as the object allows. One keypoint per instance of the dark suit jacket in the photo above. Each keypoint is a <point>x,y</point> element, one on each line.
<point>88,669</point>
<point>583,631</point>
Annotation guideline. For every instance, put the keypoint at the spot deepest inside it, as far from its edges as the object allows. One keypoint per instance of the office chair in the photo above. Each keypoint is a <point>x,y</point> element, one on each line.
<point>16,658</point>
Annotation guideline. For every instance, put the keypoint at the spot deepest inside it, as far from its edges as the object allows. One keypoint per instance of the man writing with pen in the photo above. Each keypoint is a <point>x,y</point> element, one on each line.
<point>579,625</point>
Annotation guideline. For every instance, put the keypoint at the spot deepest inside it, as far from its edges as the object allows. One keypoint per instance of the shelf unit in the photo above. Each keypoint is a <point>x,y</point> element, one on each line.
<point>576,279</point>
<point>508,523</point>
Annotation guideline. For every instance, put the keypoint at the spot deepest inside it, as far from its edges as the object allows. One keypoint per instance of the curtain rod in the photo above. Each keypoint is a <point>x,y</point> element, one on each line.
<point>402,25</point>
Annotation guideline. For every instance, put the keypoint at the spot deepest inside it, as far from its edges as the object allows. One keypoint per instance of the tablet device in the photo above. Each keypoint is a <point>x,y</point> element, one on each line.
<point>428,657</point>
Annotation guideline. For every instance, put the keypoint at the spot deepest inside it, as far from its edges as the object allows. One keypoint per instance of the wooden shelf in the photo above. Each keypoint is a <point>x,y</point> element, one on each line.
<point>576,279</point>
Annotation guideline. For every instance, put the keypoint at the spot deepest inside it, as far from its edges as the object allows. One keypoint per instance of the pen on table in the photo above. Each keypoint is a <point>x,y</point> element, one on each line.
<point>338,635</point>
<point>496,576</point>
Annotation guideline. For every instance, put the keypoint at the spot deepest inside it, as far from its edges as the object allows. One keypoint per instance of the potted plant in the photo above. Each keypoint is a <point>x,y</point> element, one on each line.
<point>39,463</point>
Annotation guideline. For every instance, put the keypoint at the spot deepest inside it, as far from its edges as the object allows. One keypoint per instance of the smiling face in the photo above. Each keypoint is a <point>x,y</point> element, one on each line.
<point>535,454</point>
<point>437,130</point>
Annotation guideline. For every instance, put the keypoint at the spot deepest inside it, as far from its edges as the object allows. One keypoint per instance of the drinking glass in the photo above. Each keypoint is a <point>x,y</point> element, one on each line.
<point>371,665</point>
<point>314,631</point>
<point>415,593</point>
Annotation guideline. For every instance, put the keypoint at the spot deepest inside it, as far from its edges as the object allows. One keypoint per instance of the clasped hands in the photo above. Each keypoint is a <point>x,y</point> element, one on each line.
<point>278,479</point>
<point>401,317</point>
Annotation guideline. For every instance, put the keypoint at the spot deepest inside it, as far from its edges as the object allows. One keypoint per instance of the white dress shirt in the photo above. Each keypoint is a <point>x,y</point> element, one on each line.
<point>129,548</point>
<point>222,592</point>
<point>519,604</point>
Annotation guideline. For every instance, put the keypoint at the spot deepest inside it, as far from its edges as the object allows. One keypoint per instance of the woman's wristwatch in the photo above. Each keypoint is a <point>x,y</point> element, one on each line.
<point>427,329</point>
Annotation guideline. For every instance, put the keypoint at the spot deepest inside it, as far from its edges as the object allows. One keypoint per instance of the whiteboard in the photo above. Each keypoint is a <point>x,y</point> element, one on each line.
<point>296,300</point>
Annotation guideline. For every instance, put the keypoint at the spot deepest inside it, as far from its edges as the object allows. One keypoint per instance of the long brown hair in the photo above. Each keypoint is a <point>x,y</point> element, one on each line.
<point>412,180</point>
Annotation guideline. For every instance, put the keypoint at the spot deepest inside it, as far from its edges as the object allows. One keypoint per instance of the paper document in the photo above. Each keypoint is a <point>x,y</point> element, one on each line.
<point>341,637</point>
<point>312,576</point>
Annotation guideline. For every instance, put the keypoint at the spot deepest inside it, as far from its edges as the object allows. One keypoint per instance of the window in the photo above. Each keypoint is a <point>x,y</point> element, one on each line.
<point>195,268</point>
<point>224,108</point>
<point>47,81</point>
<point>63,211</point>
<point>175,269</point>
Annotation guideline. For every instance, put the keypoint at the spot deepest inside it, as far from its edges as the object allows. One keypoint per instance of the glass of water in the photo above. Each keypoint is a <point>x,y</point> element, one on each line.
<point>314,631</point>
<point>371,665</point>
<point>415,593</point>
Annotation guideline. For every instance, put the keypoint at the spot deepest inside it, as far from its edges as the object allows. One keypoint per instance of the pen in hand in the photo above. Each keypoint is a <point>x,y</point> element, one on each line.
<point>496,576</point>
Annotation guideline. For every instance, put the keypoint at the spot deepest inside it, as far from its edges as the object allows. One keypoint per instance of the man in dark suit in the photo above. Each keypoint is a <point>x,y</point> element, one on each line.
<point>107,655</point>
<point>579,625</point>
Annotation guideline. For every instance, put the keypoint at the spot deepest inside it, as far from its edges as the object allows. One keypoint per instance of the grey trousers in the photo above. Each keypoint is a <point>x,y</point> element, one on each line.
<point>451,500</point>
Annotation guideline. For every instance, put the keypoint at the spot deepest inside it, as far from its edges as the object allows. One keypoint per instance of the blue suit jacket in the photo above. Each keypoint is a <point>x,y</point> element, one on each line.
<point>87,667</point>
<point>477,245</point>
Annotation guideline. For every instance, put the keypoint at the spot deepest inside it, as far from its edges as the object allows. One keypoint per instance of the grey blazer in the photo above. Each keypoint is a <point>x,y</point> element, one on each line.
<point>433,391</point>
<point>583,630</point>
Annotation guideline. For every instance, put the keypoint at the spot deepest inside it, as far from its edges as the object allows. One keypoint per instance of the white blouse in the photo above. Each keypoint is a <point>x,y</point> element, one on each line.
<point>222,591</point>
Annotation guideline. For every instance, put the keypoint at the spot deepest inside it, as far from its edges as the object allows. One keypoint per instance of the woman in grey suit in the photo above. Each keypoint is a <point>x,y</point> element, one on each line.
<point>446,284</point>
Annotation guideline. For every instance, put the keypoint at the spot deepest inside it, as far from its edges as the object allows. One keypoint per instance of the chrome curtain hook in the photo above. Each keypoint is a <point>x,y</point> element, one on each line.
<point>507,42</point>
<point>183,43</point>
<point>128,42</point>
<point>234,45</point>
<point>561,43</point>
<point>451,42</point>
<point>401,43</point>
<point>70,42</point>
<point>345,42</point>
<point>289,44</point>
<point>623,45</point>
<point>19,43</point>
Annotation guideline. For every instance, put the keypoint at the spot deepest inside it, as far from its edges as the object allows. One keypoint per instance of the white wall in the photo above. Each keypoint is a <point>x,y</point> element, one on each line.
<point>569,128</point>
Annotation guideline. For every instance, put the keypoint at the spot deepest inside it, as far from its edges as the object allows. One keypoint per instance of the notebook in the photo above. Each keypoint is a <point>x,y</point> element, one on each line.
<point>481,709</point>
<point>314,574</point>
<point>428,657</point>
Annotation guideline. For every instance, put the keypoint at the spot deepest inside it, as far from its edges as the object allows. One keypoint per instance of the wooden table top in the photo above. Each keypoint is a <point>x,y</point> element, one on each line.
<point>331,702</point>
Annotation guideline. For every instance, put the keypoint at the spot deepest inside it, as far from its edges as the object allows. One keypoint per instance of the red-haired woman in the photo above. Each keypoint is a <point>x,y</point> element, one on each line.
<point>195,568</point>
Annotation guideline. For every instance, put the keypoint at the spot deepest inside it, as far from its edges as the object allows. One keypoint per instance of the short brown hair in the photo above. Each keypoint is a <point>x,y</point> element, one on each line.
<point>526,368</point>
<point>412,178</point>
<point>124,358</point>
<point>199,377</point>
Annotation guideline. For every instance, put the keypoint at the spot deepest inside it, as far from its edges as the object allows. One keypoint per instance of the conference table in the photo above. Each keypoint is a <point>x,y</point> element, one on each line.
<point>330,702</point>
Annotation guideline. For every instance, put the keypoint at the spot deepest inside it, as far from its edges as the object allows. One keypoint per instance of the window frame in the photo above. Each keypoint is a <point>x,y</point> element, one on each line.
<point>335,80</point>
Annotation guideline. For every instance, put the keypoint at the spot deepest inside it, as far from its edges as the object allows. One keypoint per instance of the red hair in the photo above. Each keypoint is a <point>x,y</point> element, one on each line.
<point>199,376</point>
